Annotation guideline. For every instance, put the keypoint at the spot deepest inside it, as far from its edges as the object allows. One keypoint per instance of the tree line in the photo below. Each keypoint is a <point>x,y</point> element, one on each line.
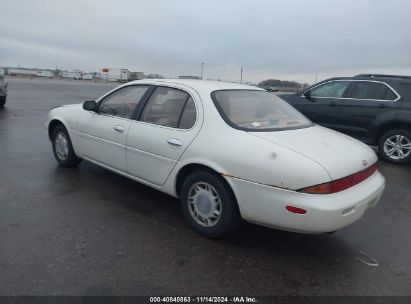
<point>276,83</point>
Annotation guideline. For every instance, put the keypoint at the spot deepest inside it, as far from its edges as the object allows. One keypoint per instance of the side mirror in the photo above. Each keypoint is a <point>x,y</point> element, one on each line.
<point>90,105</point>
<point>307,94</point>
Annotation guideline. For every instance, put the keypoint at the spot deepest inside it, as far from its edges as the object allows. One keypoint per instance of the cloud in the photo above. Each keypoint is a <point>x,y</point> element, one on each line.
<point>293,39</point>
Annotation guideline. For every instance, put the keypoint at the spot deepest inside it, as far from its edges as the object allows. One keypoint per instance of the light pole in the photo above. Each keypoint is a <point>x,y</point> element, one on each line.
<point>202,68</point>
<point>241,75</point>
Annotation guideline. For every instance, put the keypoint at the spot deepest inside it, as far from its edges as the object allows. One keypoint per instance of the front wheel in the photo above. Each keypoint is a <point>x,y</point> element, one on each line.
<point>63,149</point>
<point>395,146</point>
<point>209,205</point>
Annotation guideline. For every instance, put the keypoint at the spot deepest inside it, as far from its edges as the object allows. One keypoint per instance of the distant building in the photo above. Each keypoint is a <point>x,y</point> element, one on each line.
<point>22,72</point>
<point>188,77</point>
<point>30,72</point>
<point>115,74</point>
<point>154,76</point>
<point>76,74</point>
<point>88,76</point>
<point>136,76</point>
<point>48,74</point>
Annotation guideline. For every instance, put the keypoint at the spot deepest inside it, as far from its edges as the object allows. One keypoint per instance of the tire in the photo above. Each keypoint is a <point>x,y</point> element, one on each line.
<point>395,146</point>
<point>62,147</point>
<point>209,194</point>
<point>2,101</point>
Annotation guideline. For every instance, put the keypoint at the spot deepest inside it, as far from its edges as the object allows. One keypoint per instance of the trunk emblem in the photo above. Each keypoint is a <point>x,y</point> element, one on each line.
<point>364,163</point>
<point>273,155</point>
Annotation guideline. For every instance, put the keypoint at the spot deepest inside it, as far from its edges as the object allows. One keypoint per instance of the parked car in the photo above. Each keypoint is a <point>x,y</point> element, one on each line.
<point>373,108</point>
<point>272,89</point>
<point>228,151</point>
<point>3,91</point>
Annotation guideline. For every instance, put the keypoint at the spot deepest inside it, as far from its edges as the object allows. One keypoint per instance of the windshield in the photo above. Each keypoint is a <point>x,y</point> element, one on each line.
<point>257,111</point>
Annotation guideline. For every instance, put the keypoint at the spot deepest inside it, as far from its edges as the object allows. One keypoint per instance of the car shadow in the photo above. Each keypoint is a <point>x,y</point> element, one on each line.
<point>150,203</point>
<point>151,222</point>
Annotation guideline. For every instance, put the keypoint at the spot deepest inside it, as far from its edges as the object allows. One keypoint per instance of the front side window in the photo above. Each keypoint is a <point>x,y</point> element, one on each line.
<point>371,90</point>
<point>165,108</point>
<point>122,102</point>
<point>334,89</point>
<point>257,111</point>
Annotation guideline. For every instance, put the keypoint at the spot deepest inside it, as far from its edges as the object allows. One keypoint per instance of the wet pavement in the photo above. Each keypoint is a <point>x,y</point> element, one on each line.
<point>88,231</point>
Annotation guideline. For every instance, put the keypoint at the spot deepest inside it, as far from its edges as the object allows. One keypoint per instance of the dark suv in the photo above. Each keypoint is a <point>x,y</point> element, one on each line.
<point>3,91</point>
<point>376,109</point>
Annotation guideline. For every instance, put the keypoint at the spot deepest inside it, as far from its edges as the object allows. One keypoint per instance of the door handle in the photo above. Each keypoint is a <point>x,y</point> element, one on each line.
<point>333,104</point>
<point>175,142</point>
<point>118,128</point>
<point>382,106</point>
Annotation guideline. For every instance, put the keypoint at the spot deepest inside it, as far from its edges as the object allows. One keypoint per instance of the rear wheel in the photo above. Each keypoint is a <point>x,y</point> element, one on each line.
<point>209,205</point>
<point>2,101</point>
<point>63,149</point>
<point>395,146</point>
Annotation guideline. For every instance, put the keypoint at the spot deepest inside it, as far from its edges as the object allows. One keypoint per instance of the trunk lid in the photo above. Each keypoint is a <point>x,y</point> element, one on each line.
<point>339,154</point>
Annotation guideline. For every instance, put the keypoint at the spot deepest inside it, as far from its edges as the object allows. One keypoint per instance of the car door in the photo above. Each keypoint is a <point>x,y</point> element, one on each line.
<point>367,103</point>
<point>322,103</point>
<point>102,134</point>
<point>167,125</point>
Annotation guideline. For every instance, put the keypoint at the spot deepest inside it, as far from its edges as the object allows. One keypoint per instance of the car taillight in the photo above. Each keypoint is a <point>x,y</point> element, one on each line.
<point>342,183</point>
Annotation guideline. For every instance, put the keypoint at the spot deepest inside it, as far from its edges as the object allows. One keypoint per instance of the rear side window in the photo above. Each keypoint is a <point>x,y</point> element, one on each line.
<point>333,89</point>
<point>390,95</point>
<point>371,90</point>
<point>169,107</point>
<point>189,115</point>
<point>407,87</point>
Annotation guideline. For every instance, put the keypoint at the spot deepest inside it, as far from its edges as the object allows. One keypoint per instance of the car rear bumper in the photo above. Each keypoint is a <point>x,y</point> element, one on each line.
<point>266,205</point>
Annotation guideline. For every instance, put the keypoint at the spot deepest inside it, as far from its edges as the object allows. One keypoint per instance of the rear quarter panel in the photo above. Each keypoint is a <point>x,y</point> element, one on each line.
<point>400,118</point>
<point>241,155</point>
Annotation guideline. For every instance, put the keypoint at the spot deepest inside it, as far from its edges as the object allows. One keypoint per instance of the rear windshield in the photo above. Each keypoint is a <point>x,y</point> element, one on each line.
<point>257,111</point>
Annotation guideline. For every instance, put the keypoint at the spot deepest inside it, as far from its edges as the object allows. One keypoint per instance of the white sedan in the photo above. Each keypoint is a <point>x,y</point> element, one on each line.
<point>228,151</point>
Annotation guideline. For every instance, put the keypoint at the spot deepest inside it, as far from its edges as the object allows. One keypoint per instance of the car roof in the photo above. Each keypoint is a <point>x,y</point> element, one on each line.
<point>384,76</point>
<point>198,84</point>
<point>371,77</point>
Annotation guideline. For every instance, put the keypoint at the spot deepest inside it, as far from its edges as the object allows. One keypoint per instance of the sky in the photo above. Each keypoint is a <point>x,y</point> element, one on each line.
<point>301,40</point>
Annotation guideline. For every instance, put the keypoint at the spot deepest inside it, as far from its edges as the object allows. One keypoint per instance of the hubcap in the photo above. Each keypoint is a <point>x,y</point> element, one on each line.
<point>204,204</point>
<point>61,145</point>
<point>397,147</point>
